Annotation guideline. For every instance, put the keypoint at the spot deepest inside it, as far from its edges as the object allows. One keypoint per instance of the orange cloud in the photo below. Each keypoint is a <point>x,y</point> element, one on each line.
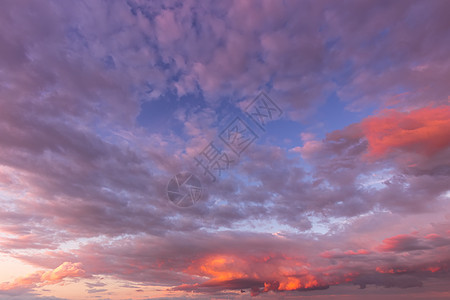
<point>271,273</point>
<point>386,270</point>
<point>424,131</point>
<point>294,283</point>
<point>221,268</point>
<point>42,278</point>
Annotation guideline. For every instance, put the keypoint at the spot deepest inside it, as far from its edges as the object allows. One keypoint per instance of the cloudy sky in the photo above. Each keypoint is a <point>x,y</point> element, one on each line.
<point>316,135</point>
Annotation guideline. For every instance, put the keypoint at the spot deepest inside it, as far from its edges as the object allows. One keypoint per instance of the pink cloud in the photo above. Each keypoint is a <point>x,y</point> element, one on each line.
<point>167,28</point>
<point>213,263</point>
<point>405,242</point>
<point>80,166</point>
<point>43,278</point>
<point>424,131</point>
<point>402,243</point>
<point>339,254</point>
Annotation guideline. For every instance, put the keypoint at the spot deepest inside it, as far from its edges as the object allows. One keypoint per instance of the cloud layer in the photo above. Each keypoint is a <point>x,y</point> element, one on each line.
<point>102,103</point>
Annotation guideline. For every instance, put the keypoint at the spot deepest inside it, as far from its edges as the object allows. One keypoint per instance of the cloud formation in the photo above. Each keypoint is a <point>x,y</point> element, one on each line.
<point>101,103</point>
<point>43,278</point>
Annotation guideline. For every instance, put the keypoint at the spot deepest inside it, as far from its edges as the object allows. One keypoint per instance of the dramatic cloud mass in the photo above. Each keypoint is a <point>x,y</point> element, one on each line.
<point>224,149</point>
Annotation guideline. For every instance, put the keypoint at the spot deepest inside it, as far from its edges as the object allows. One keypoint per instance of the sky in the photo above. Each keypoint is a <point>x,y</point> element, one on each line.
<point>224,149</point>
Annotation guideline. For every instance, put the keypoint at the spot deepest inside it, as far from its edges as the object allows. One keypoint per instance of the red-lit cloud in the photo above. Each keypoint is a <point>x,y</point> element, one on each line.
<point>404,242</point>
<point>42,278</point>
<point>211,264</point>
<point>84,162</point>
<point>273,272</point>
<point>424,131</point>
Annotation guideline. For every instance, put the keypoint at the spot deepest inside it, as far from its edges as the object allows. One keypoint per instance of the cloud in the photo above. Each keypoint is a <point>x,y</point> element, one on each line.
<point>212,263</point>
<point>78,168</point>
<point>43,278</point>
<point>401,243</point>
<point>422,131</point>
<point>336,254</point>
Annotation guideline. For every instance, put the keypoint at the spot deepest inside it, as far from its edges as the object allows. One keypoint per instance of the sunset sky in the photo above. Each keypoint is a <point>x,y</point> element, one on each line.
<point>331,120</point>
